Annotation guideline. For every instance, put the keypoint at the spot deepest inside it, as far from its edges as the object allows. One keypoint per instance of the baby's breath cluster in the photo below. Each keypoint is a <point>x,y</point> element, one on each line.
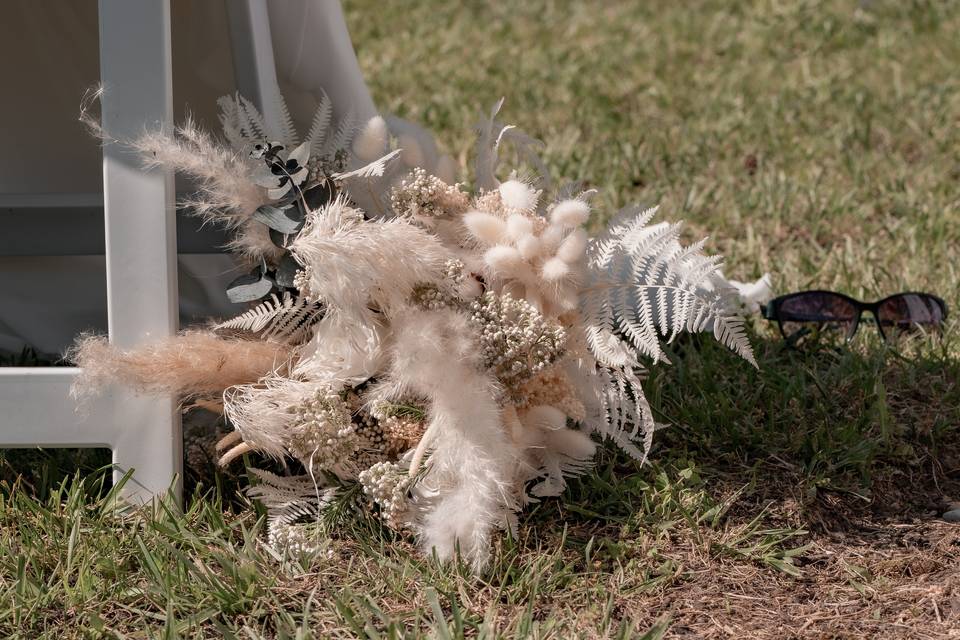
<point>299,540</point>
<point>301,280</point>
<point>431,297</point>
<point>516,341</point>
<point>324,434</point>
<point>424,197</point>
<point>371,447</point>
<point>386,484</point>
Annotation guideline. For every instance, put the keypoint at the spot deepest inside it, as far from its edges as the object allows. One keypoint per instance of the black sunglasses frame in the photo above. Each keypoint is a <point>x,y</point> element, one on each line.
<point>771,310</point>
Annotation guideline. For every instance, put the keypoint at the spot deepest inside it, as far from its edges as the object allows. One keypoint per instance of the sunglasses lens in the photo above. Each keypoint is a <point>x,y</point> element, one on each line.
<point>816,315</point>
<point>909,312</point>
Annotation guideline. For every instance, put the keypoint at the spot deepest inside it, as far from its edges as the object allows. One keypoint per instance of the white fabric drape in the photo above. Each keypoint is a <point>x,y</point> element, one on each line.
<point>48,58</point>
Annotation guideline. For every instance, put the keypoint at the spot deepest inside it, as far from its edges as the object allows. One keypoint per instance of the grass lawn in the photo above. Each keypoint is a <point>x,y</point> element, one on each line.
<point>816,140</point>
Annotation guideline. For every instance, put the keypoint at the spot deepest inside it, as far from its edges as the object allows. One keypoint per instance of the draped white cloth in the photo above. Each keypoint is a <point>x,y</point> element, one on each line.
<point>49,58</point>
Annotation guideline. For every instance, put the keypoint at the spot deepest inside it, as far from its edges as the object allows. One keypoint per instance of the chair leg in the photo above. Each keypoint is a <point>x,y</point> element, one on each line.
<point>141,251</point>
<point>149,441</point>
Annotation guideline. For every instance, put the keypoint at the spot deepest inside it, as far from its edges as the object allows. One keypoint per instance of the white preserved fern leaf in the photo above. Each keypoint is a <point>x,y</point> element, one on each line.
<point>287,319</point>
<point>375,169</point>
<point>243,124</point>
<point>645,285</point>
<point>290,501</point>
<point>342,136</point>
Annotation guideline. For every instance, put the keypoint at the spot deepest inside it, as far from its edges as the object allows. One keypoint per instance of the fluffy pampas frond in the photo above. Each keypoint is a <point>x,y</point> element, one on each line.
<point>227,194</point>
<point>193,363</point>
<point>351,263</point>
<point>467,487</point>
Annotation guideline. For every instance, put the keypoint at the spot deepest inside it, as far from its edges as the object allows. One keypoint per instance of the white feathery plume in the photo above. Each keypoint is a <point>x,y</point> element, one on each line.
<point>470,464</point>
<point>226,192</point>
<point>571,213</point>
<point>574,246</point>
<point>354,263</point>
<point>261,413</point>
<point>529,247</point>
<point>518,226</point>
<point>555,270</point>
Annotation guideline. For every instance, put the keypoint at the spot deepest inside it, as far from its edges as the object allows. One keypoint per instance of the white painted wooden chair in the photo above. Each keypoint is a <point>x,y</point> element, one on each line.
<point>144,433</point>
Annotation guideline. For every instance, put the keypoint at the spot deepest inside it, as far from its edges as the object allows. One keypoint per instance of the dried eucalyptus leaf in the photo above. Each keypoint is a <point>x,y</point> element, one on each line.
<point>286,270</point>
<point>283,220</point>
<point>277,238</point>
<point>320,194</point>
<point>249,287</point>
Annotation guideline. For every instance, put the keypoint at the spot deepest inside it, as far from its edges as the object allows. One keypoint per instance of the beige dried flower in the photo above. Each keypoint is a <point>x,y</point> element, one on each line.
<point>425,197</point>
<point>551,387</point>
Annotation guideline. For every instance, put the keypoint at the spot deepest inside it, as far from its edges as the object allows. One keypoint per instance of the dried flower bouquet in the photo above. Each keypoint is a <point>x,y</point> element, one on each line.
<point>458,354</point>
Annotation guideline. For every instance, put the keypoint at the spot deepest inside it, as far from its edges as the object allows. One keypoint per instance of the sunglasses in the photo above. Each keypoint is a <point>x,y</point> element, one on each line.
<point>808,315</point>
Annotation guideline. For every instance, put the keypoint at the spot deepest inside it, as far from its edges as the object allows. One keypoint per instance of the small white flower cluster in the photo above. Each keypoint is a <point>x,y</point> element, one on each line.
<point>539,258</point>
<point>423,196</point>
<point>298,540</point>
<point>387,484</point>
<point>301,280</point>
<point>430,297</point>
<point>372,441</point>
<point>516,341</point>
<point>323,434</point>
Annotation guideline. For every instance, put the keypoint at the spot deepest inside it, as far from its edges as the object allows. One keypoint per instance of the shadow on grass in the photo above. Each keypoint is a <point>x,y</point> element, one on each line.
<point>820,440</point>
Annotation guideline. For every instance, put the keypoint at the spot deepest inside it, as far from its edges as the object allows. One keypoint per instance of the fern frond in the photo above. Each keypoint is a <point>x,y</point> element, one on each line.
<point>628,417</point>
<point>343,135</point>
<point>291,501</point>
<point>374,169</point>
<point>285,132</point>
<point>320,124</point>
<point>287,319</point>
<point>645,285</point>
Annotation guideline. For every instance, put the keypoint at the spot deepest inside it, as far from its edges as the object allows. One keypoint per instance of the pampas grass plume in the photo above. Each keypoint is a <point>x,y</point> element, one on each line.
<point>190,364</point>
